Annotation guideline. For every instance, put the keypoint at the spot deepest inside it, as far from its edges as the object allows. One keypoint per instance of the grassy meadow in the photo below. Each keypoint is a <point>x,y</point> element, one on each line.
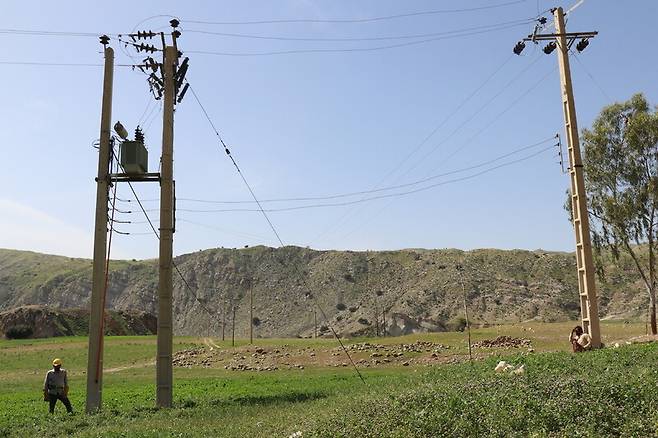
<point>611,392</point>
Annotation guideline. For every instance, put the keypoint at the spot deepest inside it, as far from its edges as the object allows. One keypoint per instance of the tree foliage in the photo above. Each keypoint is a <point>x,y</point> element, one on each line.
<point>621,180</point>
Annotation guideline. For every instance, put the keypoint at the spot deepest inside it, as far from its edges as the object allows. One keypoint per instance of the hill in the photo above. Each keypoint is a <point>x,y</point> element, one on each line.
<point>43,322</point>
<point>415,290</point>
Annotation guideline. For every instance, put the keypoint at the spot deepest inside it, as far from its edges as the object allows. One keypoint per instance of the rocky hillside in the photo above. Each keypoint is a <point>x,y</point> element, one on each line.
<point>44,322</point>
<point>414,290</point>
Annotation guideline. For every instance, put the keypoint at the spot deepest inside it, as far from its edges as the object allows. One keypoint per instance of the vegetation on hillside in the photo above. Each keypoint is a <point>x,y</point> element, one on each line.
<point>415,290</point>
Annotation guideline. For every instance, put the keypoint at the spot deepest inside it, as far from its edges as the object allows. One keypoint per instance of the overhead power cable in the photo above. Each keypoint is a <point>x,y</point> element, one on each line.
<point>464,123</point>
<point>474,136</point>
<point>148,219</point>
<point>373,198</point>
<point>61,64</point>
<point>382,189</point>
<point>360,20</point>
<point>588,73</point>
<point>357,49</point>
<point>276,233</point>
<point>352,39</point>
<point>50,33</point>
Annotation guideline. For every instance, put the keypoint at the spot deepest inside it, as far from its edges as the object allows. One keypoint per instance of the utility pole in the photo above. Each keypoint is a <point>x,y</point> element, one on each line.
<point>233,330</point>
<point>251,312</point>
<point>164,367</point>
<point>376,318</point>
<point>223,317</point>
<point>562,41</point>
<point>460,269</point>
<point>96,314</point>
<point>315,323</point>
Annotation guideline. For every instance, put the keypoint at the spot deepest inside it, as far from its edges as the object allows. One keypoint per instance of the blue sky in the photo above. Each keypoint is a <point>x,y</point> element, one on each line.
<point>312,124</point>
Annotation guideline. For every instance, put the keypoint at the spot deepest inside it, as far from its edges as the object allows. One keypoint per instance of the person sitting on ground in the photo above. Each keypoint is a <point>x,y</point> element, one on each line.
<point>579,340</point>
<point>56,387</point>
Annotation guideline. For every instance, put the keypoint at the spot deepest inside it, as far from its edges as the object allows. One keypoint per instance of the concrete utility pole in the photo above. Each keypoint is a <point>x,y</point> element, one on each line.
<point>562,41</point>
<point>164,367</point>
<point>586,282</point>
<point>95,352</point>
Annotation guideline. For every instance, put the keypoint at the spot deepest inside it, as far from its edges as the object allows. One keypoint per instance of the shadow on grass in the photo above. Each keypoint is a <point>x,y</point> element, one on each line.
<point>270,399</point>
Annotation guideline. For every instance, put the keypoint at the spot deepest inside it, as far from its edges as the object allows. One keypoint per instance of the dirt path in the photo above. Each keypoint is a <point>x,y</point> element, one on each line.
<point>128,367</point>
<point>211,344</point>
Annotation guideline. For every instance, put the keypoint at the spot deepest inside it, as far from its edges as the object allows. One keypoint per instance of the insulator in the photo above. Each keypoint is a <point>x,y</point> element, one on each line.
<point>139,135</point>
<point>182,93</point>
<point>542,20</point>
<point>519,47</point>
<point>174,23</point>
<point>180,74</point>
<point>105,40</point>
<point>582,44</point>
<point>550,47</point>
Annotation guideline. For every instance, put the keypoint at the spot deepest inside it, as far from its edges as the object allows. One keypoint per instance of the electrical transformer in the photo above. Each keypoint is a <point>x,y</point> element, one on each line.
<point>134,157</point>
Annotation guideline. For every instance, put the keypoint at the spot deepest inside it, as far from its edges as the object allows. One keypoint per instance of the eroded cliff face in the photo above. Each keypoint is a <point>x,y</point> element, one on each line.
<point>413,290</point>
<point>45,322</point>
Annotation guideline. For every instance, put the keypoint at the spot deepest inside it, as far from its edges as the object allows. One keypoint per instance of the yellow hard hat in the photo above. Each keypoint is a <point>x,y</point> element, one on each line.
<point>57,362</point>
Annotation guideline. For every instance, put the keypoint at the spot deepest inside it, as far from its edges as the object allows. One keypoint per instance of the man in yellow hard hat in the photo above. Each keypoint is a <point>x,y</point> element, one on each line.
<point>56,387</point>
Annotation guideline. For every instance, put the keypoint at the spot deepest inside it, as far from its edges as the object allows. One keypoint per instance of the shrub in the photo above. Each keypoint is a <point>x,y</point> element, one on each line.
<point>457,324</point>
<point>341,306</point>
<point>19,331</point>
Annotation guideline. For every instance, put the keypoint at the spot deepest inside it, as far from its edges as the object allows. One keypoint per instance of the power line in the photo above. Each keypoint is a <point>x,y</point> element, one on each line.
<point>470,139</point>
<point>276,233</point>
<point>354,49</point>
<point>373,198</point>
<point>587,72</point>
<point>359,20</point>
<point>50,33</point>
<point>334,226</point>
<point>224,230</point>
<point>382,189</point>
<point>352,39</point>
<point>148,219</point>
<point>61,64</point>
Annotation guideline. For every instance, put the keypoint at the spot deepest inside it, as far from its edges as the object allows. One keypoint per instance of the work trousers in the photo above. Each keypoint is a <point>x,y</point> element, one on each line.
<point>52,398</point>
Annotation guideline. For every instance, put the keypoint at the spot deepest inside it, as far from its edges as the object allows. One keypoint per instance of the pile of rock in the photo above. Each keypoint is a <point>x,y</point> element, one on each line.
<point>503,342</point>
<point>191,357</point>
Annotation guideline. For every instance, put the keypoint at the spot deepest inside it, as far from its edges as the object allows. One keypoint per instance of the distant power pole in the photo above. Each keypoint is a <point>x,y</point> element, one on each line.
<point>251,312</point>
<point>562,41</point>
<point>233,330</point>
<point>223,317</point>
<point>95,352</point>
<point>315,323</point>
<point>460,269</point>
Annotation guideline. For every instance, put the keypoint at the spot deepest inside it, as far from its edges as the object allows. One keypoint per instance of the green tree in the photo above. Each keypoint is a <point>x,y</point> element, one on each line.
<point>621,179</point>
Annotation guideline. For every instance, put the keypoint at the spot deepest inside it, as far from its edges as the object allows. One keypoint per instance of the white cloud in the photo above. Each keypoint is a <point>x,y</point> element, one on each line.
<point>26,228</point>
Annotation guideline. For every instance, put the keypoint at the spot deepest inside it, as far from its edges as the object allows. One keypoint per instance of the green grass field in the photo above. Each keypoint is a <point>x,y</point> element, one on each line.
<point>611,392</point>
